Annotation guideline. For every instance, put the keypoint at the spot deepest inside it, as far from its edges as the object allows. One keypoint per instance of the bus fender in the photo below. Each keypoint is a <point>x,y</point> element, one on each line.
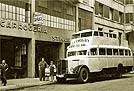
<point>78,68</point>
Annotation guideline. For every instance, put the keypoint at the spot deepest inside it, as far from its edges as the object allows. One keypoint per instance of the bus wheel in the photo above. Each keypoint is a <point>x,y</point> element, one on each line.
<point>83,75</point>
<point>61,80</point>
<point>119,71</point>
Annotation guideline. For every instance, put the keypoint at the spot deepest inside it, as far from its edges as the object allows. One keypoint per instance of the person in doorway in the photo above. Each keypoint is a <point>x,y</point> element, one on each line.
<point>4,68</point>
<point>42,65</point>
<point>52,71</point>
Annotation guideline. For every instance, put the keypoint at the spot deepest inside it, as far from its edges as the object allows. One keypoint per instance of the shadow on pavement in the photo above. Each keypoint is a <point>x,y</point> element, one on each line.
<point>97,79</point>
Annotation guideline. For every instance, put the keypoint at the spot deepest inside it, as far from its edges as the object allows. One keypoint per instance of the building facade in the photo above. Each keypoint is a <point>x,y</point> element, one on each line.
<point>32,29</point>
<point>112,16</point>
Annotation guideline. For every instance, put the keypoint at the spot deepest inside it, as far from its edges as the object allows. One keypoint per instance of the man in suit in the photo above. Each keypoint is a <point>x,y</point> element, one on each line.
<point>4,68</point>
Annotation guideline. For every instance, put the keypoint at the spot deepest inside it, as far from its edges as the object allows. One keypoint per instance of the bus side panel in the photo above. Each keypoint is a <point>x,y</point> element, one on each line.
<point>97,63</point>
<point>93,64</point>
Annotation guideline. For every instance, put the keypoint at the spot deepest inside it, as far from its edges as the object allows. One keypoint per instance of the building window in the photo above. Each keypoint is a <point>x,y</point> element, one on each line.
<point>129,1</point>
<point>53,21</point>
<point>106,10</point>
<point>111,14</point>
<point>129,17</point>
<point>12,12</point>
<point>57,6</point>
<point>116,15</point>
<point>98,9</point>
<point>79,24</point>
<point>42,3</point>
<point>121,17</point>
<point>70,10</point>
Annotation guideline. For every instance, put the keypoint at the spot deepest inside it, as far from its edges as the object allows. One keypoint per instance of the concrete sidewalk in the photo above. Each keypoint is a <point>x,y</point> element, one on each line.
<point>22,83</point>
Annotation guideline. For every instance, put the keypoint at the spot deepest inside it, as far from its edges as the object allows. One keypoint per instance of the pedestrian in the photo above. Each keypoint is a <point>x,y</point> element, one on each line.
<point>47,73</point>
<point>42,65</point>
<point>52,71</point>
<point>4,68</point>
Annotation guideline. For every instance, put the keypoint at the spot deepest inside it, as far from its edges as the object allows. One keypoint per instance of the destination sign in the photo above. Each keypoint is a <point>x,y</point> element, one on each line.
<point>80,40</point>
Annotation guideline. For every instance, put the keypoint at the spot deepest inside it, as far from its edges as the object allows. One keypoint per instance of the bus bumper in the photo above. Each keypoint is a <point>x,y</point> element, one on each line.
<point>67,75</point>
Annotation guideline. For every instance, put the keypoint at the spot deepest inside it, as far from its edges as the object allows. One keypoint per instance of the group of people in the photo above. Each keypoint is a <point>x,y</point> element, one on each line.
<point>42,70</point>
<point>3,71</point>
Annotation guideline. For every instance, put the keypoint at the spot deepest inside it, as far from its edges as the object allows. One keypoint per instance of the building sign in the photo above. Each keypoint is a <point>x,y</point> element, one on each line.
<point>58,38</point>
<point>21,26</point>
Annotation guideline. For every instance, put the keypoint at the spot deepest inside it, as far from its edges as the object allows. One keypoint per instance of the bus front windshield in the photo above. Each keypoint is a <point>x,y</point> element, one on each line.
<point>75,53</point>
<point>75,36</point>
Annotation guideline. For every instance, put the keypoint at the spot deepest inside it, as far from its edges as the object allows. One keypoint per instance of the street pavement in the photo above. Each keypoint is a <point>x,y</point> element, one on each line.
<point>23,83</point>
<point>126,83</point>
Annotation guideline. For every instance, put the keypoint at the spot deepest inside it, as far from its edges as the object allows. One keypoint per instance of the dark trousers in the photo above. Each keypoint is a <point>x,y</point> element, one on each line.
<point>42,74</point>
<point>4,80</point>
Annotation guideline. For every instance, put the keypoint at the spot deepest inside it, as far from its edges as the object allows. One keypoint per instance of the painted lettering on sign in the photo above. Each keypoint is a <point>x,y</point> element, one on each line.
<point>80,40</point>
<point>21,26</point>
<point>58,38</point>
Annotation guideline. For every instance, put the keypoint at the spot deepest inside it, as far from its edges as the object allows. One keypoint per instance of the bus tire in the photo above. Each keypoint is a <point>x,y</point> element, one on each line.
<point>83,75</point>
<point>119,72</point>
<point>61,80</point>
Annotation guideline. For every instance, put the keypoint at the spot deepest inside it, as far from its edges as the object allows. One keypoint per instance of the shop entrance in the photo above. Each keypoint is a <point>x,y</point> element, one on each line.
<point>48,50</point>
<point>14,51</point>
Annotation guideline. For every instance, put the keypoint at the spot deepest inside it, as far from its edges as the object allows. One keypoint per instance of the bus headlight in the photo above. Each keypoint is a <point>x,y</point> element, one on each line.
<point>71,69</point>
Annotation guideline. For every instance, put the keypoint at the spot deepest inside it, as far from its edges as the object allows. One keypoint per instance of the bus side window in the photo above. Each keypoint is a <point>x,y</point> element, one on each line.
<point>115,51</point>
<point>102,51</point>
<point>121,51</point>
<point>110,35</point>
<point>93,51</point>
<point>95,33</point>
<point>126,52</point>
<point>109,51</point>
<point>106,34</point>
<point>129,53</point>
<point>100,33</point>
<point>114,35</point>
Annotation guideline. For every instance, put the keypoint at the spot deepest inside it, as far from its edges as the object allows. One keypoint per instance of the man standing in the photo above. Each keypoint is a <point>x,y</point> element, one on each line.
<point>42,65</point>
<point>4,68</point>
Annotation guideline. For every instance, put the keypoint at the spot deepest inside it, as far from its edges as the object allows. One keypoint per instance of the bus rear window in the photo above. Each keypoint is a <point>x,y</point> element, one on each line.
<point>87,34</point>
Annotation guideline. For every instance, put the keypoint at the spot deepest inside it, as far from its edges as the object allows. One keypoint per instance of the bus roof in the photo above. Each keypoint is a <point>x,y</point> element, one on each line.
<point>89,30</point>
<point>83,31</point>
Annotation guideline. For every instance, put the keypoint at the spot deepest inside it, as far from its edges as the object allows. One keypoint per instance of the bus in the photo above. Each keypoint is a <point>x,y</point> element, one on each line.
<point>92,53</point>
